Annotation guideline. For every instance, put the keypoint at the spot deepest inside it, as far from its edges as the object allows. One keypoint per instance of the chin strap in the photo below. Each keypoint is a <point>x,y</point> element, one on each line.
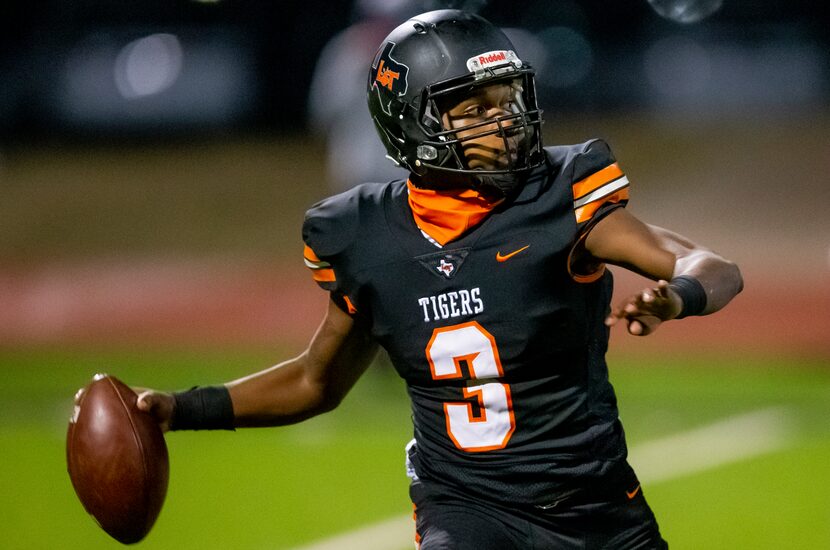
<point>499,186</point>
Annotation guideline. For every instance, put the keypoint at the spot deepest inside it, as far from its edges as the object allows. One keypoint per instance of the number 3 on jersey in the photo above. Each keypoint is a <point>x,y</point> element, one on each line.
<point>469,343</point>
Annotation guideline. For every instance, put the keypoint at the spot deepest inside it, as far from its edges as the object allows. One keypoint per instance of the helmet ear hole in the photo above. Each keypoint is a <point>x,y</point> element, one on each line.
<point>427,152</point>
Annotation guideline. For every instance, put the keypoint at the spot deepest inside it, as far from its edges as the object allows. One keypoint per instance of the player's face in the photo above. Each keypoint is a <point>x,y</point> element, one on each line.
<point>487,103</point>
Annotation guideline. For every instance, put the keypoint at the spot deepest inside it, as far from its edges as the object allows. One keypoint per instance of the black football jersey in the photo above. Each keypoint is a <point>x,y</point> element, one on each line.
<point>499,335</point>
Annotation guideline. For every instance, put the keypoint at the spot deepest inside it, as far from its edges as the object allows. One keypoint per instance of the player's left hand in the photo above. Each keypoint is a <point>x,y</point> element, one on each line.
<point>645,310</point>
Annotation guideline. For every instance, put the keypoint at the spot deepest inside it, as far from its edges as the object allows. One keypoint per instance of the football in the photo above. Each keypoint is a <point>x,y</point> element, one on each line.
<point>117,460</point>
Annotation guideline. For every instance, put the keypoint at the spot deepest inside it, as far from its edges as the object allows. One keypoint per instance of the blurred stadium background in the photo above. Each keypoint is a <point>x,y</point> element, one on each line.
<point>156,160</point>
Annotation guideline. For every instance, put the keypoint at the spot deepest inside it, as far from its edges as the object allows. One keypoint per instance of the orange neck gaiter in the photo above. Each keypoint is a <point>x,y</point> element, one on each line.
<point>446,215</point>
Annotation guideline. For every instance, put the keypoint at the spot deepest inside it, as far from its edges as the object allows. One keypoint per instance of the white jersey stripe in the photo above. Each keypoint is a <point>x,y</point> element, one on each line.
<point>600,192</point>
<point>316,265</point>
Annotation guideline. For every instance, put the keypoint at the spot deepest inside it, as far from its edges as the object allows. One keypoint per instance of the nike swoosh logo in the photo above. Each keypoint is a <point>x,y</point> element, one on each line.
<point>632,494</point>
<point>504,258</point>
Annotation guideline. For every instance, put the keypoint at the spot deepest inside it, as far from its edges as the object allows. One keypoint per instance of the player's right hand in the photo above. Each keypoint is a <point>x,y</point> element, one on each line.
<point>646,310</point>
<point>160,405</point>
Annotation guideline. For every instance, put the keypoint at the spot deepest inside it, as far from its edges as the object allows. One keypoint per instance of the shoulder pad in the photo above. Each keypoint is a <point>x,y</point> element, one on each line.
<point>332,224</point>
<point>582,159</point>
<point>594,156</point>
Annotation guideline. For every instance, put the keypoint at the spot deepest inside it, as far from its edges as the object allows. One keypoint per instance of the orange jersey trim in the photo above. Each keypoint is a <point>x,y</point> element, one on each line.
<point>596,180</point>
<point>585,213</point>
<point>583,277</point>
<point>321,271</point>
<point>446,215</point>
<point>309,254</point>
<point>349,305</point>
<point>324,276</point>
<point>417,534</point>
<point>608,185</point>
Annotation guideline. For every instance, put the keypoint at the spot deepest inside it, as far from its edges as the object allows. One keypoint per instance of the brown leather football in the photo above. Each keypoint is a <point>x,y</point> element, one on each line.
<point>117,460</point>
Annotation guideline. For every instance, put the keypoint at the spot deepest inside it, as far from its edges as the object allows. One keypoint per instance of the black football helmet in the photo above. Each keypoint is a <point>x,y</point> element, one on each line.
<point>421,67</point>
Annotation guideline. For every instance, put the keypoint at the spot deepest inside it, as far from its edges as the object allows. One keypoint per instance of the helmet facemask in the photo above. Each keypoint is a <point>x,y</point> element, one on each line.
<point>493,150</point>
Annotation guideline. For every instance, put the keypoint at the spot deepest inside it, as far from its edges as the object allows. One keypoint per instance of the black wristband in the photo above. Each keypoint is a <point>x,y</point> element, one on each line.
<point>207,408</point>
<point>692,294</point>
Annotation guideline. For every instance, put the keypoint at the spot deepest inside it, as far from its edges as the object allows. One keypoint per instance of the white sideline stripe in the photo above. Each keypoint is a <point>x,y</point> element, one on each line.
<point>397,532</point>
<point>730,440</point>
<point>727,441</point>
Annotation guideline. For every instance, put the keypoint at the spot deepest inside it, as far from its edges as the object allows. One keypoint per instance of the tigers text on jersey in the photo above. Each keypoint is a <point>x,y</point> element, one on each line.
<point>499,337</point>
<point>449,305</point>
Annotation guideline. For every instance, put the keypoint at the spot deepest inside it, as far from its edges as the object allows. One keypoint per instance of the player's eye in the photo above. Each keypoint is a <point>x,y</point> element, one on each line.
<point>475,111</point>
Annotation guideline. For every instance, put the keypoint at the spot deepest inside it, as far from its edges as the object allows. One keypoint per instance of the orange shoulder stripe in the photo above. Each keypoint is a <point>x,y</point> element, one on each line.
<point>321,271</point>
<point>596,180</point>
<point>309,254</point>
<point>587,212</point>
<point>324,275</point>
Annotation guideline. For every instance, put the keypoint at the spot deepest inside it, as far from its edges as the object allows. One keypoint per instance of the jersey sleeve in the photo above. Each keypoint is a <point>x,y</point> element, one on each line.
<point>328,231</point>
<point>599,186</point>
<point>321,271</point>
<point>323,274</point>
<point>332,244</point>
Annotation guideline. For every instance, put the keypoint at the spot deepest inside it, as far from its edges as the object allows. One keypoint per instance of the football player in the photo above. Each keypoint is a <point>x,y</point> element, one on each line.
<point>483,276</point>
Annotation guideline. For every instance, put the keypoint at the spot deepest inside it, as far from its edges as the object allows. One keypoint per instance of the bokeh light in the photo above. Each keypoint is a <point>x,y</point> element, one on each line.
<point>148,66</point>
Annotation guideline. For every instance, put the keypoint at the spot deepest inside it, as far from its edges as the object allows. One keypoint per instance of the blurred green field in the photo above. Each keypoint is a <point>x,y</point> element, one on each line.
<point>285,487</point>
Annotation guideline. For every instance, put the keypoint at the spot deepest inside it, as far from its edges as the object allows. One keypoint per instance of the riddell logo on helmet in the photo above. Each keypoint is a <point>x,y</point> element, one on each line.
<point>489,59</point>
<point>492,58</point>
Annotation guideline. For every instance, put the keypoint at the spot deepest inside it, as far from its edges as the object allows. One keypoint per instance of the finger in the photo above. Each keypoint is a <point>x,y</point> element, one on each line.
<point>623,311</point>
<point>635,327</point>
<point>631,309</point>
<point>614,315</point>
<point>146,401</point>
<point>647,324</point>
